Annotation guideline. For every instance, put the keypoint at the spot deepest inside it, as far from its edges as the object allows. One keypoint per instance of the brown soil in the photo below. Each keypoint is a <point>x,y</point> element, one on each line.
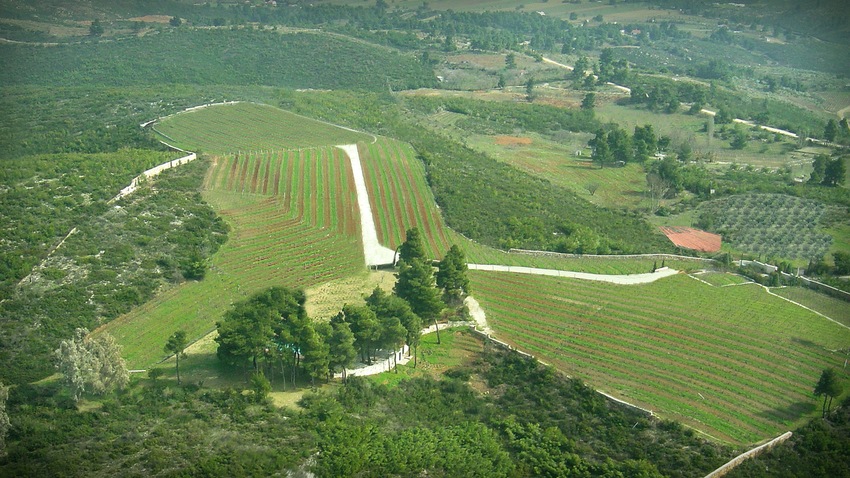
<point>693,238</point>
<point>152,19</point>
<point>512,141</point>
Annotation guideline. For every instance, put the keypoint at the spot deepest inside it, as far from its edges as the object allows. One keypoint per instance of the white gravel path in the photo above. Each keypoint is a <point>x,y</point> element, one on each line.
<point>628,279</point>
<point>478,315</point>
<point>375,253</point>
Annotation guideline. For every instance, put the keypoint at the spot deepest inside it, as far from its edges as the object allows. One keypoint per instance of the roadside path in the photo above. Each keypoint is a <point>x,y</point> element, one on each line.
<point>375,253</point>
<point>625,279</point>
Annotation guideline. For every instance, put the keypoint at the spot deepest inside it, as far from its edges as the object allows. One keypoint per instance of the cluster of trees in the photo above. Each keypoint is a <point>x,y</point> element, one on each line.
<point>614,145</point>
<point>220,57</point>
<point>493,117</point>
<point>272,332</point>
<point>837,132</point>
<point>4,418</point>
<point>829,386</point>
<point>828,171</point>
<point>538,424</point>
<point>91,364</point>
<point>664,95</point>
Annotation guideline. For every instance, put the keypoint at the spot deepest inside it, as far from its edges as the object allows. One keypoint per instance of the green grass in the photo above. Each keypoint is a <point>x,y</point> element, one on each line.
<point>556,161</point>
<point>480,254</point>
<point>722,279</point>
<point>457,347</point>
<point>250,127</point>
<point>831,307</point>
<point>733,362</point>
<point>688,128</point>
<point>275,239</point>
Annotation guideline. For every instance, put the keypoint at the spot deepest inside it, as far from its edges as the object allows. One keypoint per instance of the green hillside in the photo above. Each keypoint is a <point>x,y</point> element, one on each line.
<point>236,127</point>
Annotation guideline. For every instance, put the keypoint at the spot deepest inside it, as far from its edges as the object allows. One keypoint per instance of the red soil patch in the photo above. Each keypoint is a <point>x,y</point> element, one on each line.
<point>512,141</point>
<point>152,19</point>
<point>693,238</point>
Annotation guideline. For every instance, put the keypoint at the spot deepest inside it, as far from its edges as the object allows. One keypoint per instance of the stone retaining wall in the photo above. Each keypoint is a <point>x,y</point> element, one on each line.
<point>731,464</point>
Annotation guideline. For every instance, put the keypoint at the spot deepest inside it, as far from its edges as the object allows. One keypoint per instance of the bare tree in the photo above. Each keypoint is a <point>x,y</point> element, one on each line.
<point>658,188</point>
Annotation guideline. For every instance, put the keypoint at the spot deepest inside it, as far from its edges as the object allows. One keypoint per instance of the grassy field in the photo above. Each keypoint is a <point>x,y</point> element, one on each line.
<point>733,362</point>
<point>831,307</point>
<point>400,196</point>
<point>457,347</point>
<point>557,162</point>
<point>722,279</point>
<point>236,127</point>
<point>281,237</point>
<point>480,254</point>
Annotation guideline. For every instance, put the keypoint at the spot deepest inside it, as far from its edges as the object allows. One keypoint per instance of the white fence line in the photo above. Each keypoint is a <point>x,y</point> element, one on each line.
<point>530,252</point>
<point>826,288</point>
<point>731,464</point>
<point>154,171</point>
<point>489,338</point>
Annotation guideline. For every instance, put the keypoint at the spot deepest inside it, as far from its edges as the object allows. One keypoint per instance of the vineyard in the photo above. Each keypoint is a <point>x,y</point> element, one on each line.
<point>229,128</point>
<point>293,222</point>
<point>400,196</point>
<point>733,362</point>
<point>770,224</point>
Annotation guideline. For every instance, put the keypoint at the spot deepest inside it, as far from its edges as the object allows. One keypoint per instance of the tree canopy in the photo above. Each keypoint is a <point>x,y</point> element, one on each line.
<point>270,320</point>
<point>451,275</point>
<point>413,247</point>
<point>829,386</point>
<point>176,345</point>
<point>91,364</point>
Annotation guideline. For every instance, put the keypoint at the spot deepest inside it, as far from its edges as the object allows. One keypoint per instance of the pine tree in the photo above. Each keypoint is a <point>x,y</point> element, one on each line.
<point>828,386</point>
<point>412,247</point>
<point>342,352</point>
<point>451,275</point>
<point>416,285</point>
<point>316,355</point>
<point>176,345</point>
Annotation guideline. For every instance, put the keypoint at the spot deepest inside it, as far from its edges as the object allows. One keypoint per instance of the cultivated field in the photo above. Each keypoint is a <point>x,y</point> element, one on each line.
<point>400,197</point>
<point>230,128</point>
<point>733,362</point>
<point>293,222</point>
<point>833,308</point>
<point>771,224</point>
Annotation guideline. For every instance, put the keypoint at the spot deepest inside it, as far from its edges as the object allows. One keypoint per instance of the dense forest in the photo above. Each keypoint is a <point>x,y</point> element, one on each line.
<point>531,422</point>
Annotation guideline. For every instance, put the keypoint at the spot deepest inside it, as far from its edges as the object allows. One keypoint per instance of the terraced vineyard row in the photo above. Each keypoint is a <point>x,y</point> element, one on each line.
<point>230,128</point>
<point>400,196</point>
<point>733,362</point>
<point>293,222</point>
<point>316,183</point>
